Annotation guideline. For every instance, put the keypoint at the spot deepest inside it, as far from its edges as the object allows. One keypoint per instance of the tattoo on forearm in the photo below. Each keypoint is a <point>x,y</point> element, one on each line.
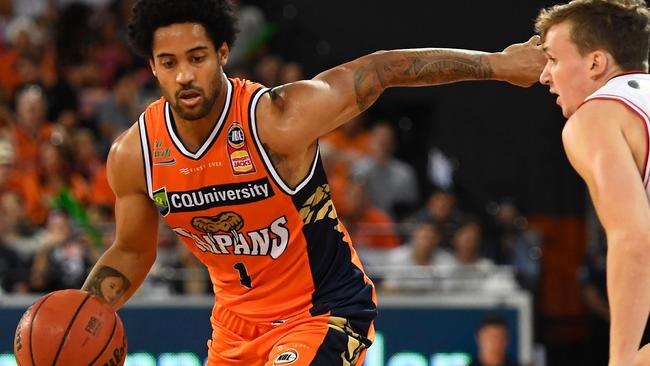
<point>107,283</point>
<point>428,67</point>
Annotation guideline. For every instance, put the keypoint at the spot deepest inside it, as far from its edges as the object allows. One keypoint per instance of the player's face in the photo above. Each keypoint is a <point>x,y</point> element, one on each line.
<point>567,72</point>
<point>112,289</point>
<point>188,69</point>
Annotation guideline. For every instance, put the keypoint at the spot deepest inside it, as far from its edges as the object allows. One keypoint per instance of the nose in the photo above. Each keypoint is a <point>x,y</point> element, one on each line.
<point>185,75</point>
<point>545,76</point>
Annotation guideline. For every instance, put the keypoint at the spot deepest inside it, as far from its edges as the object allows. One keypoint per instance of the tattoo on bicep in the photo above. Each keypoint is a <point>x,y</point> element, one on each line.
<point>415,68</point>
<point>107,283</point>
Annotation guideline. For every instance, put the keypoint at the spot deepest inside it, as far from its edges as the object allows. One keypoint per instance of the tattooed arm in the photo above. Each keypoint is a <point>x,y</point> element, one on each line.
<point>123,267</point>
<point>297,114</point>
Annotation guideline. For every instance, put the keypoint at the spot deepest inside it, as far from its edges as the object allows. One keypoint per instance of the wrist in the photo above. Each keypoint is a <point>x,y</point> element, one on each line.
<point>499,64</point>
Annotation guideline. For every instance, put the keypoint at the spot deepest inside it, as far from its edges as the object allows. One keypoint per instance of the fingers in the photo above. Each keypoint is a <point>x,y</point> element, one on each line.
<point>535,40</point>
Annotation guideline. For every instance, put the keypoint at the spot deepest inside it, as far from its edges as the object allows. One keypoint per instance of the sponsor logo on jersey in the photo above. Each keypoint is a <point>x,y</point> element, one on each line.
<point>161,201</point>
<point>640,84</point>
<point>238,152</point>
<point>162,155</point>
<point>212,196</point>
<point>241,162</point>
<point>236,137</point>
<point>223,234</point>
<point>200,168</point>
<point>286,358</point>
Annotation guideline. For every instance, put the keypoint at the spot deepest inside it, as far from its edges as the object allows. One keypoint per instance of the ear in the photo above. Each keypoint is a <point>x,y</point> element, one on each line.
<point>600,63</point>
<point>152,66</point>
<point>222,54</point>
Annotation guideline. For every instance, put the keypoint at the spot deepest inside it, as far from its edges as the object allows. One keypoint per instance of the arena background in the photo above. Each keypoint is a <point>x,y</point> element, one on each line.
<point>502,143</point>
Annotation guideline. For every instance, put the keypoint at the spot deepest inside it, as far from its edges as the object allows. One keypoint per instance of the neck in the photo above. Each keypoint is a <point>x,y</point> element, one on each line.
<point>194,133</point>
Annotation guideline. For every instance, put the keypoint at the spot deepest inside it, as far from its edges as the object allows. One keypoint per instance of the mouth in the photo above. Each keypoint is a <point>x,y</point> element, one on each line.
<point>189,98</point>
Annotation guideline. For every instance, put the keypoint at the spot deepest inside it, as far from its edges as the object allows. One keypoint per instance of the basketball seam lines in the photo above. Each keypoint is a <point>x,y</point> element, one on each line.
<point>107,342</point>
<point>67,331</point>
<point>31,326</point>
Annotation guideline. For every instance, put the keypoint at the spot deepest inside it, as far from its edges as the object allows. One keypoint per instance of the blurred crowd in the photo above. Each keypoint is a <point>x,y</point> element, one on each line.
<point>69,85</point>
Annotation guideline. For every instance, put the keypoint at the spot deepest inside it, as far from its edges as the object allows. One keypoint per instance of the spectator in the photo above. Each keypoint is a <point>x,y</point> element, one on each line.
<point>470,271</point>
<point>89,164</point>
<point>515,245</point>
<point>32,129</point>
<point>440,209</point>
<point>369,226</point>
<point>340,149</point>
<point>492,338</point>
<point>372,229</point>
<point>120,109</point>
<point>53,177</point>
<point>391,183</point>
<point>267,70</point>
<point>27,51</point>
<point>19,231</point>
<point>64,259</point>
<point>14,273</point>
<point>412,266</point>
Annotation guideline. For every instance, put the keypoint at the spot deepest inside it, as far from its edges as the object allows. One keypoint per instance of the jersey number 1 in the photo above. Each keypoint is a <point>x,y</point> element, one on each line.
<point>244,278</point>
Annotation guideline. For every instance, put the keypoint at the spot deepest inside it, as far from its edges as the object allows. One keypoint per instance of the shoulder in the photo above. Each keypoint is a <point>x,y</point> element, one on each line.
<point>596,118</point>
<point>125,165</point>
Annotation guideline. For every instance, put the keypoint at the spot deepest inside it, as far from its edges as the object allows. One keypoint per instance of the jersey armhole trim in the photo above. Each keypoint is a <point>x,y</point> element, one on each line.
<point>646,123</point>
<point>144,141</point>
<point>252,112</point>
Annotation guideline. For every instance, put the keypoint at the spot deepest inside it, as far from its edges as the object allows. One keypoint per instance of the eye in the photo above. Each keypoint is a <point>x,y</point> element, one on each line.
<point>197,59</point>
<point>168,64</point>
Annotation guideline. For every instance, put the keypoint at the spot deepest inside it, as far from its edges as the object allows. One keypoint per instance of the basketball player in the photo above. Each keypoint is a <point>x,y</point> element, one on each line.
<point>234,169</point>
<point>597,65</point>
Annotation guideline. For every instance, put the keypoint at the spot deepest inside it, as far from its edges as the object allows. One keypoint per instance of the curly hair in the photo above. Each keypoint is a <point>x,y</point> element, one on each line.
<point>217,17</point>
<point>621,27</point>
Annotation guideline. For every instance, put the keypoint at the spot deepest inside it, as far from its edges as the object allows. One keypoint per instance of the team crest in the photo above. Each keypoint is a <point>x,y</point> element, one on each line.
<point>223,234</point>
<point>240,158</point>
<point>286,358</point>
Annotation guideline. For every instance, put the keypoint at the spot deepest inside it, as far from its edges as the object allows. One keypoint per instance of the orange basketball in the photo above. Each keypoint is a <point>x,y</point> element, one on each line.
<point>70,328</point>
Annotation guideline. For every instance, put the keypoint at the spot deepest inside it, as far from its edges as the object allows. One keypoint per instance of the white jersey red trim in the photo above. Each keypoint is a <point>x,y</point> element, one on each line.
<point>633,91</point>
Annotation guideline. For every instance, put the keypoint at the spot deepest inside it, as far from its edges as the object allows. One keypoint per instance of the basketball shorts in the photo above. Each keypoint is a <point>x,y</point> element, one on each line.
<point>322,340</point>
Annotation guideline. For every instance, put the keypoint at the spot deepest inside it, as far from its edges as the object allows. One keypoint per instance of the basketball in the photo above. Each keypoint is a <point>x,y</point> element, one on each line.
<point>69,328</point>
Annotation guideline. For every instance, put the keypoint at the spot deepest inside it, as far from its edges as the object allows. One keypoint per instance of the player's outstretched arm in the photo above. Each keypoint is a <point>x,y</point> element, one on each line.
<point>597,149</point>
<point>301,112</point>
<point>123,267</point>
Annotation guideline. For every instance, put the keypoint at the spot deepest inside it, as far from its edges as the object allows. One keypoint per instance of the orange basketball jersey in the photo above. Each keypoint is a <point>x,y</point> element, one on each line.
<point>272,251</point>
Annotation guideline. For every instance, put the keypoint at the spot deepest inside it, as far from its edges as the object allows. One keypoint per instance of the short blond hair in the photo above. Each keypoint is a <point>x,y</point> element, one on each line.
<point>620,27</point>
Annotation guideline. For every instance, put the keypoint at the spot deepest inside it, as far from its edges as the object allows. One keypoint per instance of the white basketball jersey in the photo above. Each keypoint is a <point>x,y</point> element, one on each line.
<point>633,90</point>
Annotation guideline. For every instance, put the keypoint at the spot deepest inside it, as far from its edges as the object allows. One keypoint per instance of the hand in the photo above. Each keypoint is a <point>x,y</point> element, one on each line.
<point>523,62</point>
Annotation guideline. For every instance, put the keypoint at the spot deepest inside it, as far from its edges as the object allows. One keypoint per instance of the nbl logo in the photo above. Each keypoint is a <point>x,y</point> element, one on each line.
<point>236,136</point>
<point>240,158</point>
<point>286,358</point>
